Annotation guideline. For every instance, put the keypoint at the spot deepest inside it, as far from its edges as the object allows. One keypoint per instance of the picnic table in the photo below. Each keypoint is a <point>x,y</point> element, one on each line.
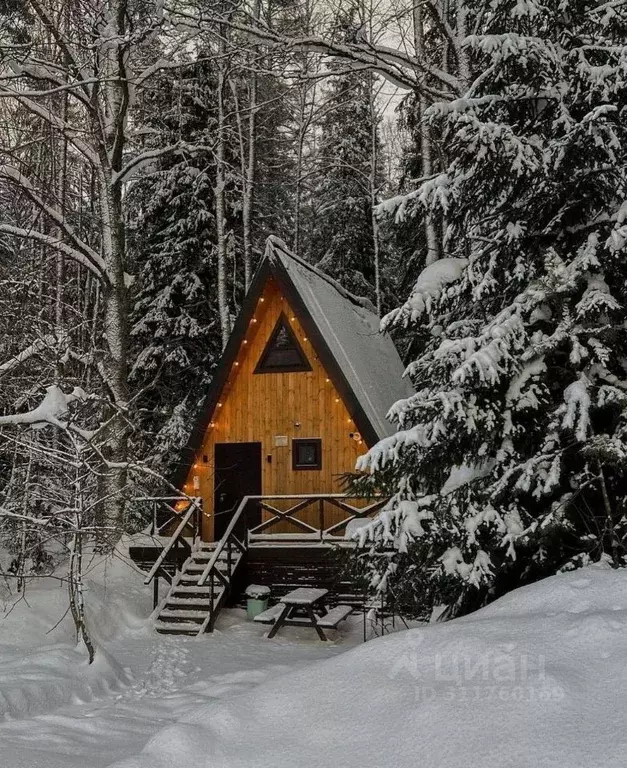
<point>304,607</point>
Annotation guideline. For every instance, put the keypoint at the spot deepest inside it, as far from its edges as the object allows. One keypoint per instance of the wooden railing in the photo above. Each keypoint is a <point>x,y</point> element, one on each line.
<point>319,507</point>
<point>187,523</point>
<point>230,545</point>
<point>234,540</point>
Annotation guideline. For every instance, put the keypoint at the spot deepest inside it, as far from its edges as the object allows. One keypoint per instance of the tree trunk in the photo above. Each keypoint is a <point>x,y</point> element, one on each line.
<point>425,147</point>
<point>372,185</point>
<point>223,307</point>
<point>249,182</point>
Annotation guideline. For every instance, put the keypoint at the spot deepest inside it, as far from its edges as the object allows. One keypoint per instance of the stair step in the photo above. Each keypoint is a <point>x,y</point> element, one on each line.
<point>188,602</point>
<point>177,629</point>
<point>206,554</point>
<point>195,590</point>
<point>176,614</point>
<point>200,567</point>
<point>188,606</point>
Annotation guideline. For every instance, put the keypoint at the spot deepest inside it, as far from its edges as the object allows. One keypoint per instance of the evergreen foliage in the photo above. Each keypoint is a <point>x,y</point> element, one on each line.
<point>509,463</point>
<point>342,236</point>
<point>174,318</point>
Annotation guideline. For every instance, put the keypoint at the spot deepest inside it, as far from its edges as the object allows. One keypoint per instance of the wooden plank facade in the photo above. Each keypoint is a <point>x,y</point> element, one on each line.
<point>274,409</point>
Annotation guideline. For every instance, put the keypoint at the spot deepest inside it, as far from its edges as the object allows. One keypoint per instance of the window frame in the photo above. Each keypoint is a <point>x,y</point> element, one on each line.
<point>296,443</point>
<point>303,367</point>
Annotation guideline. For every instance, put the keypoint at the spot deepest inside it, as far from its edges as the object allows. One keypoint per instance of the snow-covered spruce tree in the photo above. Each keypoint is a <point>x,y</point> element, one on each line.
<point>510,459</point>
<point>175,328</point>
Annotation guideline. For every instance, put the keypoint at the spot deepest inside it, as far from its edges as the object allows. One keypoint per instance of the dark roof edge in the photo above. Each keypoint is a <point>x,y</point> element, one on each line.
<point>331,365</point>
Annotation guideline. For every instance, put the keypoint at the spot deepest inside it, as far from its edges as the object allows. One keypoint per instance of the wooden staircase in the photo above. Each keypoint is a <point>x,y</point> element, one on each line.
<point>191,606</point>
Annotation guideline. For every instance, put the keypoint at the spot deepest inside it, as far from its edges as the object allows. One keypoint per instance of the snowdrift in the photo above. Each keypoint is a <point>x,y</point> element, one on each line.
<point>536,679</point>
<point>41,667</point>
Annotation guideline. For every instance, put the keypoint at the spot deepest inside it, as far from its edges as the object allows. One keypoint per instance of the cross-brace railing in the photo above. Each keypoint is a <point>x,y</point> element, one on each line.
<point>324,504</point>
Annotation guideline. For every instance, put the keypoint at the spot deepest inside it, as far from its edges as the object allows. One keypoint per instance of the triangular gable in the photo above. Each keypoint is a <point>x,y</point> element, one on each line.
<point>283,352</point>
<point>341,375</point>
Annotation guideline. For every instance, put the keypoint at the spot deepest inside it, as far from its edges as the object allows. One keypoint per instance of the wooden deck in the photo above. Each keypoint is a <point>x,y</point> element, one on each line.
<point>203,577</point>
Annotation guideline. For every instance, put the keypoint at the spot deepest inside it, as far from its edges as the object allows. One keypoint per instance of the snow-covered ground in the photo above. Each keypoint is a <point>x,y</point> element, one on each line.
<point>56,711</point>
<point>536,679</point>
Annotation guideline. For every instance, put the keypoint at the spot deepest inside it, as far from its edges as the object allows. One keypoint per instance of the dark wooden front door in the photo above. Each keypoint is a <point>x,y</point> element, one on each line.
<point>237,474</point>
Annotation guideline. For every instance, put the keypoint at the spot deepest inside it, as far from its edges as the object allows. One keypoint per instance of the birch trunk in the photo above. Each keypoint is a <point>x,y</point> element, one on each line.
<point>114,292</point>
<point>425,145</point>
<point>372,188</point>
<point>300,144</point>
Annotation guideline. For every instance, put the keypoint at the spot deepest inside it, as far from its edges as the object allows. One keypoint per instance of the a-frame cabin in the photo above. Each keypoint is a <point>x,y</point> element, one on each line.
<point>302,390</point>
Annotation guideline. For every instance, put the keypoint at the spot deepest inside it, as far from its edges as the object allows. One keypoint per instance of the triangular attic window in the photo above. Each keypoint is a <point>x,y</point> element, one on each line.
<point>283,353</point>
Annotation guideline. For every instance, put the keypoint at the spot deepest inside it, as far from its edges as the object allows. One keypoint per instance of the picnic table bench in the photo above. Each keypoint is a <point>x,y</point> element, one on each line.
<point>304,607</point>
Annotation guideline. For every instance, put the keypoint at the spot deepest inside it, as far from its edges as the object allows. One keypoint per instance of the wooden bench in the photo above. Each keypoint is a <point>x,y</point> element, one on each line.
<point>332,618</point>
<point>329,620</point>
<point>269,615</point>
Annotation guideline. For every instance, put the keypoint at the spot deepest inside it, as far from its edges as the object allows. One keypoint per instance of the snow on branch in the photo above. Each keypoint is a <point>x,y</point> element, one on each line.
<point>51,411</point>
<point>138,162</point>
<point>69,131</point>
<point>52,242</point>
<point>427,290</point>
<point>23,182</point>
<point>33,349</point>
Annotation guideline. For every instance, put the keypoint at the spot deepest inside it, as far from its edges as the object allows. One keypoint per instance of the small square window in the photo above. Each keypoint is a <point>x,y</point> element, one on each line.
<point>307,454</point>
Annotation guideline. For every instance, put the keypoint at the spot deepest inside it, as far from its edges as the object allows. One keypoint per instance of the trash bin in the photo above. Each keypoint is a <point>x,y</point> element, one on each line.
<point>257,600</point>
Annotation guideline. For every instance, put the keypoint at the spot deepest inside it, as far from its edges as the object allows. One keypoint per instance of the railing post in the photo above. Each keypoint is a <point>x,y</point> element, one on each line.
<point>321,518</point>
<point>211,602</point>
<point>154,518</point>
<point>229,547</point>
<point>155,592</point>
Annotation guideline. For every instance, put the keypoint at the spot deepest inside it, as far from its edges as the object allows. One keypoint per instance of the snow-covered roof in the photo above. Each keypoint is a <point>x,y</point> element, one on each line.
<point>350,328</point>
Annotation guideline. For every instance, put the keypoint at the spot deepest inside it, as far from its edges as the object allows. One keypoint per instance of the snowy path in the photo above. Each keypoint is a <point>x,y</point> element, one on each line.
<point>170,678</point>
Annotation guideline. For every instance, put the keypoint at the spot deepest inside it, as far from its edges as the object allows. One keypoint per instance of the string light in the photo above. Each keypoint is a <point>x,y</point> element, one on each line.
<point>254,320</point>
<point>245,341</point>
<point>219,405</point>
<point>262,299</point>
<point>327,380</point>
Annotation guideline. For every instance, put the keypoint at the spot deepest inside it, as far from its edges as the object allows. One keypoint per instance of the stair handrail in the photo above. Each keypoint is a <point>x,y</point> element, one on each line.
<point>193,508</point>
<point>224,540</point>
